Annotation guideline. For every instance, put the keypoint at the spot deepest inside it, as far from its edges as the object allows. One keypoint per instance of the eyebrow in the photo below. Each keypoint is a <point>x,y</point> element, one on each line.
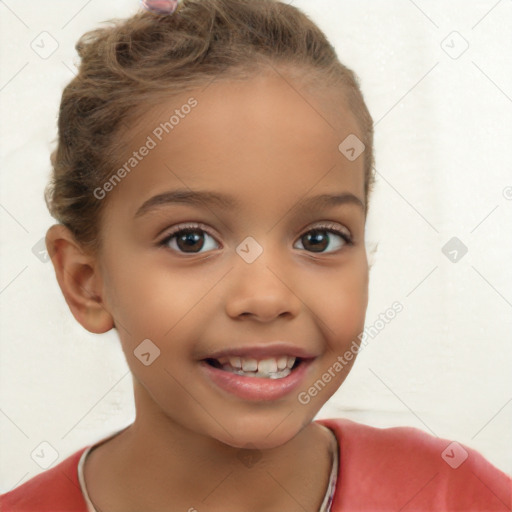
<point>224,202</point>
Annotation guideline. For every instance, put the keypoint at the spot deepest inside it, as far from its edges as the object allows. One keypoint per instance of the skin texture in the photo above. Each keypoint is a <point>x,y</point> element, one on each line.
<point>269,146</point>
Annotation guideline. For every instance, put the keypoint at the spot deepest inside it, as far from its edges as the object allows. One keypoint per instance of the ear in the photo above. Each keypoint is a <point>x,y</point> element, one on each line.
<point>79,279</point>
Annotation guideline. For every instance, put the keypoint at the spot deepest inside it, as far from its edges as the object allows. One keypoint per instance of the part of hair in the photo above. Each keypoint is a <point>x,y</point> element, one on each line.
<point>147,57</point>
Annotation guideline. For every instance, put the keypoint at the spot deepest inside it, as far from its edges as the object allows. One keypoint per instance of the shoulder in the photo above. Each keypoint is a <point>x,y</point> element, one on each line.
<point>406,467</point>
<point>54,490</point>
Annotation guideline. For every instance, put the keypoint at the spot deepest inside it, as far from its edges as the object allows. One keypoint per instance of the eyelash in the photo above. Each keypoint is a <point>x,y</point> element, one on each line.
<point>192,227</point>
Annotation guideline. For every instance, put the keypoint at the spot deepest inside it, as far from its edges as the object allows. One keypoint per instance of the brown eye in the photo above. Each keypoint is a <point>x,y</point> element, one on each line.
<point>189,240</point>
<point>316,240</point>
<point>319,239</point>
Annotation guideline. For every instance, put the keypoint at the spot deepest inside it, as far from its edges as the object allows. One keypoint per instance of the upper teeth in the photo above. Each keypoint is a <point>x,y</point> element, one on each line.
<point>268,365</point>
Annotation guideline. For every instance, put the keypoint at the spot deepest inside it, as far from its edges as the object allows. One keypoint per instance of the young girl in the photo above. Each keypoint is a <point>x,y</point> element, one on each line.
<point>211,183</point>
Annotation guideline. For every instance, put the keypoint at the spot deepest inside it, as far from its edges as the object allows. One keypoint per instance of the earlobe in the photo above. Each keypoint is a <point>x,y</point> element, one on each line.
<point>77,273</point>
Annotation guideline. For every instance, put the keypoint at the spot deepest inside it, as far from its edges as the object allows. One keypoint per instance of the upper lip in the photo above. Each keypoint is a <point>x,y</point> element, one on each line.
<point>270,349</point>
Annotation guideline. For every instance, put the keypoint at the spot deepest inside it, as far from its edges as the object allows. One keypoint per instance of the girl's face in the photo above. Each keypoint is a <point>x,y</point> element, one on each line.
<point>251,271</point>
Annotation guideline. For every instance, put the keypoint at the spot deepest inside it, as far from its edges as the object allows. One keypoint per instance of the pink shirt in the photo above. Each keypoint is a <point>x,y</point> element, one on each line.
<point>392,469</point>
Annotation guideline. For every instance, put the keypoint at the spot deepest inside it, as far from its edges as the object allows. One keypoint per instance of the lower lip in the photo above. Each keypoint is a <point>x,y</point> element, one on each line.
<point>257,388</point>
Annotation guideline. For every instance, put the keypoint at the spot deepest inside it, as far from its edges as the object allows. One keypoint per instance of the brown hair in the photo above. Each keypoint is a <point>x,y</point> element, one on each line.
<point>136,60</point>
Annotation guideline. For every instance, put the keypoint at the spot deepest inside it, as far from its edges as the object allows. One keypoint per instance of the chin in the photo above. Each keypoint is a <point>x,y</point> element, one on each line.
<point>262,433</point>
<point>256,441</point>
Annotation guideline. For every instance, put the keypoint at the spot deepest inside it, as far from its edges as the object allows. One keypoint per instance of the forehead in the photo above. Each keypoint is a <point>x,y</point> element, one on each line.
<point>260,137</point>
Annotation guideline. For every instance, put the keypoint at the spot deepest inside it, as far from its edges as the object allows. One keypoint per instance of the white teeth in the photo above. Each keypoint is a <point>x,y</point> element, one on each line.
<point>290,362</point>
<point>276,375</point>
<point>235,362</point>
<point>267,366</point>
<point>273,367</point>
<point>281,362</point>
<point>249,365</point>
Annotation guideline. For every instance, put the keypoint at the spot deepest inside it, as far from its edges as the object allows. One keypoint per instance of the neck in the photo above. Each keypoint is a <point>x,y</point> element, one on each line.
<point>191,471</point>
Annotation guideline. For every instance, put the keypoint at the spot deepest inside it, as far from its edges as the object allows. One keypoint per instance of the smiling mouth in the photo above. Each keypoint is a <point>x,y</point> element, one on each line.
<point>270,368</point>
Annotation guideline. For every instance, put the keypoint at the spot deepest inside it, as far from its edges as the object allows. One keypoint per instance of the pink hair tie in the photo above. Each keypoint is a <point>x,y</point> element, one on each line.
<point>161,6</point>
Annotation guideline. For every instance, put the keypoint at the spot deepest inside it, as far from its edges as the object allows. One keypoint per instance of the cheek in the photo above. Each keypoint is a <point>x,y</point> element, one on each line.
<point>344,303</point>
<point>149,297</point>
<point>342,314</point>
<point>155,302</point>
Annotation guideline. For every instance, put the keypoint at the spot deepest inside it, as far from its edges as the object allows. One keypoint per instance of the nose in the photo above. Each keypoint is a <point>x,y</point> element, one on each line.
<point>262,290</point>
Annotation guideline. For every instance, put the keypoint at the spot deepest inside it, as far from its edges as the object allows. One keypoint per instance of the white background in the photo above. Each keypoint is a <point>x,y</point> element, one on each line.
<point>444,152</point>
